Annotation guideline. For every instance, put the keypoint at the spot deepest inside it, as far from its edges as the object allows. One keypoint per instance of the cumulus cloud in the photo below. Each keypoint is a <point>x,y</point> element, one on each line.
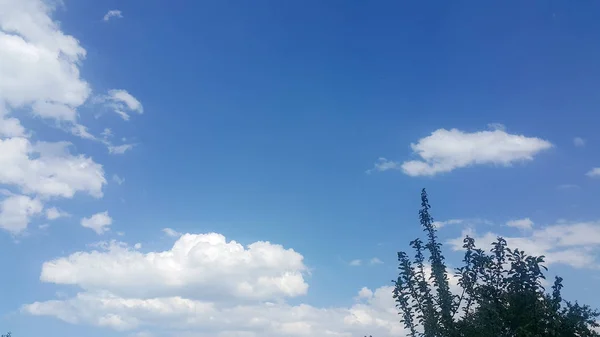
<point>447,150</point>
<point>113,14</point>
<point>196,264</point>
<point>574,244</point>
<point>594,173</point>
<point>16,212</point>
<point>205,285</point>
<point>99,222</point>
<point>48,169</point>
<point>524,224</point>
<point>578,141</point>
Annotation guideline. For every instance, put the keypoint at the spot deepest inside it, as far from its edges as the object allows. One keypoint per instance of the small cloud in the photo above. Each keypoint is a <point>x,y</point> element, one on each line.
<point>382,164</point>
<point>593,173</point>
<point>121,102</point>
<point>107,133</point>
<point>525,224</point>
<point>578,141</point>
<point>120,149</point>
<point>99,222</point>
<point>44,226</point>
<point>375,261</point>
<point>440,224</point>
<point>54,213</point>
<point>365,293</point>
<point>171,232</point>
<point>137,245</point>
<point>113,14</point>
<point>118,179</point>
<point>355,263</point>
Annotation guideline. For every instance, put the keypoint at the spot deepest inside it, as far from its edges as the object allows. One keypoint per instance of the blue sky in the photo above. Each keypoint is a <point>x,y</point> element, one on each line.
<point>139,139</point>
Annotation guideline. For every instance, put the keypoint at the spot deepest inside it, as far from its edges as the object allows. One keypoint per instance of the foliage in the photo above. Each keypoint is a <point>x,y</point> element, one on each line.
<point>501,293</point>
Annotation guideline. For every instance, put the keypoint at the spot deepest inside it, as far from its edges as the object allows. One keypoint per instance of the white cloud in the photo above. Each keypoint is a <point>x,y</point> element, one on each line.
<point>171,232</point>
<point>54,213</point>
<point>40,64</point>
<point>446,150</point>
<point>578,141</point>
<point>382,164</point>
<point>16,212</point>
<point>114,13</point>
<point>593,173</point>
<point>118,179</point>
<point>440,224</point>
<point>196,264</point>
<point>119,149</point>
<point>525,224</point>
<point>121,102</point>
<point>573,244</point>
<point>206,286</point>
<point>48,169</point>
<point>375,261</point>
<point>99,222</point>
<point>356,263</point>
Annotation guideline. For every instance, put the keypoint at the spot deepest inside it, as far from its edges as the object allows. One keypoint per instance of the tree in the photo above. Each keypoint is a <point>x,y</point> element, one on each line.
<point>501,293</point>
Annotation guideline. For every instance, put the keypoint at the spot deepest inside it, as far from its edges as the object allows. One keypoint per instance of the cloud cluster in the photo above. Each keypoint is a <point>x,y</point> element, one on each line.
<point>447,150</point>
<point>574,244</point>
<point>206,285</point>
<point>40,77</point>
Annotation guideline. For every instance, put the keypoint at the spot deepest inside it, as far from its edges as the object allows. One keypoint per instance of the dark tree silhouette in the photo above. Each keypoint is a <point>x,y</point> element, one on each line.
<point>501,293</point>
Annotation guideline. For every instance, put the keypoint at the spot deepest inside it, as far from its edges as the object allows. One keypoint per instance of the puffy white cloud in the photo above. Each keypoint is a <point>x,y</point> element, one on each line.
<point>48,169</point>
<point>16,212</point>
<point>206,286</point>
<point>573,244</point>
<point>578,141</point>
<point>39,66</point>
<point>197,265</point>
<point>373,313</point>
<point>524,224</point>
<point>593,173</point>
<point>121,102</point>
<point>446,150</point>
<point>99,222</point>
<point>54,213</point>
<point>113,14</point>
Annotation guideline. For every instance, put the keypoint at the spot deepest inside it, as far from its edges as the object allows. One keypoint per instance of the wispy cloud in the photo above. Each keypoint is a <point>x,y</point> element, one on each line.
<point>578,141</point>
<point>113,14</point>
<point>594,173</point>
